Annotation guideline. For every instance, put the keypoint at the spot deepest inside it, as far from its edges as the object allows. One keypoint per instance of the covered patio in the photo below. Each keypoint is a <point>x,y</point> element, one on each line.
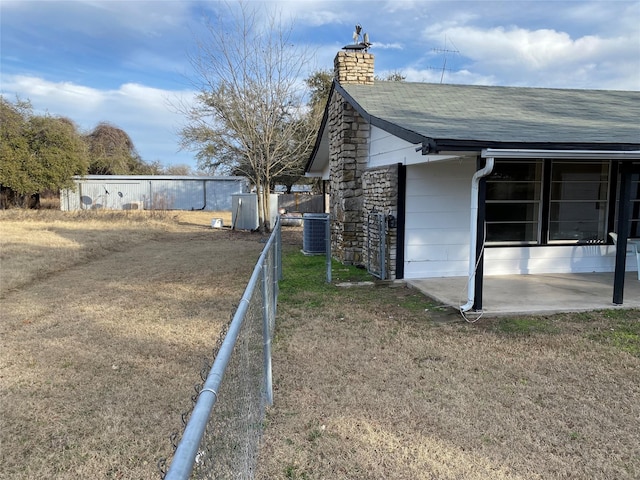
<point>535,294</point>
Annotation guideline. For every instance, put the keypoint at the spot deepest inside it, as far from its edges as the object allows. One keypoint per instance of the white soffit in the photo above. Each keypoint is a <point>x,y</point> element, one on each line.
<point>416,160</point>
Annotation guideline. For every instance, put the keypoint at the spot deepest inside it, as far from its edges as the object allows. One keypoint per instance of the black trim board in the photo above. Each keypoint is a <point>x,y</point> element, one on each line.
<point>401,220</point>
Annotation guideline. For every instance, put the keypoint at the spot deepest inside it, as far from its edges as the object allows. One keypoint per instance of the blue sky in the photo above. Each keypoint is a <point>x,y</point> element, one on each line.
<point>125,62</point>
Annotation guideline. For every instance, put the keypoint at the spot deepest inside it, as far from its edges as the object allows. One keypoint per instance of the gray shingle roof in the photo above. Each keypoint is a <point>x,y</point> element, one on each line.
<point>463,113</point>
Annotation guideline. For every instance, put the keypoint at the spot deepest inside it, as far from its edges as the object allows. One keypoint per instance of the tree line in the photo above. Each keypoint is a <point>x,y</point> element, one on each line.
<point>255,114</point>
<point>44,152</point>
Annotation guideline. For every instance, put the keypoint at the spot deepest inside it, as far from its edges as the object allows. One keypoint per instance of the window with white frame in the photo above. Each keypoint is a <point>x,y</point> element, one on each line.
<point>634,230</point>
<point>634,224</point>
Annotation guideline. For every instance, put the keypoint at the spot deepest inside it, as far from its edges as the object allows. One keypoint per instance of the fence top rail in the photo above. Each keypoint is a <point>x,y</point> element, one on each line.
<point>185,455</point>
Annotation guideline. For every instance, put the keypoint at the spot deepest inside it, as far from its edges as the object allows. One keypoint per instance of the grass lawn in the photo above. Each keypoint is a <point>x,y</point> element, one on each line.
<point>374,382</point>
<point>105,324</point>
<point>106,320</point>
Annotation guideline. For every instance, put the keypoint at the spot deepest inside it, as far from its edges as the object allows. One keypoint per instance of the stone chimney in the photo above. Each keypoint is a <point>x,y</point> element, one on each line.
<point>353,67</point>
<point>348,155</point>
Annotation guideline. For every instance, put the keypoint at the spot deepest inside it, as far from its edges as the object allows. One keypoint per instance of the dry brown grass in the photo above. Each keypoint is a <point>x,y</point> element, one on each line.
<point>36,243</point>
<point>103,335</point>
<point>370,385</point>
<point>104,329</point>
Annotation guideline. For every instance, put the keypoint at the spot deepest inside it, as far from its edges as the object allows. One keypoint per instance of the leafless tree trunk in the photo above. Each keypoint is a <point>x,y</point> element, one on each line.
<point>250,116</point>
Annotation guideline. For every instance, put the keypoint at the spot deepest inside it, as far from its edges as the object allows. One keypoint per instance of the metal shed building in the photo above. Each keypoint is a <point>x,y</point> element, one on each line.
<point>152,192</point>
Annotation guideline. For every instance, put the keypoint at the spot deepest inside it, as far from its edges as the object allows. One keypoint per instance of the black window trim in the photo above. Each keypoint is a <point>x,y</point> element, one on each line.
<point>545,201</point>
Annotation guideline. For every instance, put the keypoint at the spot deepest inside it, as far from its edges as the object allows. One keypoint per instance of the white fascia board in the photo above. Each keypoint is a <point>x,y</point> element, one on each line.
<point>320,162</point>
<point>562,154</point>
<point>431,159</point>
<point>321,175</point>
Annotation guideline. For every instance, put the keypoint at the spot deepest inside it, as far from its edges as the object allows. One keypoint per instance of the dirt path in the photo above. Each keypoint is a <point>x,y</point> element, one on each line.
<point>98,361</point>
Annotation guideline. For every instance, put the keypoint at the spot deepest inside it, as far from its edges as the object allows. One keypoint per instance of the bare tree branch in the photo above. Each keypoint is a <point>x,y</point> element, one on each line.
<point>250,115</point>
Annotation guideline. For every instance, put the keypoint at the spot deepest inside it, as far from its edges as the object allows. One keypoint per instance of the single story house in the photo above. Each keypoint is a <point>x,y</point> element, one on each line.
<point>435,180</point>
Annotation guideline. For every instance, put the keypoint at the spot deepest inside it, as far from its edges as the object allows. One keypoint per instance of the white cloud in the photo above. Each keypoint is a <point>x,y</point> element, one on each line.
<point>143,112</point>
<point>65,95</point>
<point>387,46</point>
<point>435,75</point>
<point>532,50</point>
<point>311,12</point>
<point>547,57</point>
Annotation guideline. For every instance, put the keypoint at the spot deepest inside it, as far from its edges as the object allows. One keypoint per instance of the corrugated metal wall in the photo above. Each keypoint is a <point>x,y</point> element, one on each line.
<point>115,192</point>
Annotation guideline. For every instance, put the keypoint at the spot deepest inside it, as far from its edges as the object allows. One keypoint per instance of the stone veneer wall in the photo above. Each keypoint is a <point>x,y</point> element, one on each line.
<point>348,153</point>
<point>353,67</point>
<point>380,194</point>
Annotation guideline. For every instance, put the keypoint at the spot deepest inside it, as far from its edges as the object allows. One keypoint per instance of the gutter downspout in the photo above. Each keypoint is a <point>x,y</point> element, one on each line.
<point>204,193</point>
<point>475,181</point>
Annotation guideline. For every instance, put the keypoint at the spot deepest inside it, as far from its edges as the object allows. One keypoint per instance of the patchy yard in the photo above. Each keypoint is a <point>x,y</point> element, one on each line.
<point>105,323</point>
<point>373,382</point>
<point>106,320</point>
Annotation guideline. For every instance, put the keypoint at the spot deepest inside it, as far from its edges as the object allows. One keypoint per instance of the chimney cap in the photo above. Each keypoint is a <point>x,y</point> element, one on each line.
<point>357,47</point>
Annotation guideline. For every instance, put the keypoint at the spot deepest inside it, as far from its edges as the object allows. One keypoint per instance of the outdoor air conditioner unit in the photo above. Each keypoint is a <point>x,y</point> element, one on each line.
<point>314,233</point>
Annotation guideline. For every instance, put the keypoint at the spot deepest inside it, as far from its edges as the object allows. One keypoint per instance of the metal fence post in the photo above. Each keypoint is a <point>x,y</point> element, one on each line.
<point>382,225</point>
<point>275,286</point>
<point>279,249</point>
<point>277,265</point>
<point>266,333</point>
<point>327,234</point>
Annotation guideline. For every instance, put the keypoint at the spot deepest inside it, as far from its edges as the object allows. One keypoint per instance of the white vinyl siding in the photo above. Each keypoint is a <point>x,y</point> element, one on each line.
<point>437,225</point>
<point>550,259</point>
<point>437,219</point>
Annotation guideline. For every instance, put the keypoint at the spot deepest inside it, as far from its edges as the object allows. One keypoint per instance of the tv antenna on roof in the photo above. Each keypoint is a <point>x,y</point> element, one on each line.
<point>445,51</point>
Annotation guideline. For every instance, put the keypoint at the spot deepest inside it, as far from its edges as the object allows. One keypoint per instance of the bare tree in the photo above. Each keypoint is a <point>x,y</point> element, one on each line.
<point>179,169</point>
<point>250,115</point>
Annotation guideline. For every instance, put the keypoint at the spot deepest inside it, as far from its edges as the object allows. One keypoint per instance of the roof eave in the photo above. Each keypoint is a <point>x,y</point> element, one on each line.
<point>317,164</point>
<point>445,144</point>
<point>430,145</point>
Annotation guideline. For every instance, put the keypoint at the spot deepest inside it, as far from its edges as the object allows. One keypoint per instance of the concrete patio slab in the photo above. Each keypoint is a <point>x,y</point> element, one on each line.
<point>535,294</point>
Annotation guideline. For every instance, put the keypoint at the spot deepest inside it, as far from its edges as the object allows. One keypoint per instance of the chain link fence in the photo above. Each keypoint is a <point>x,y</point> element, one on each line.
<point>222,442</point>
